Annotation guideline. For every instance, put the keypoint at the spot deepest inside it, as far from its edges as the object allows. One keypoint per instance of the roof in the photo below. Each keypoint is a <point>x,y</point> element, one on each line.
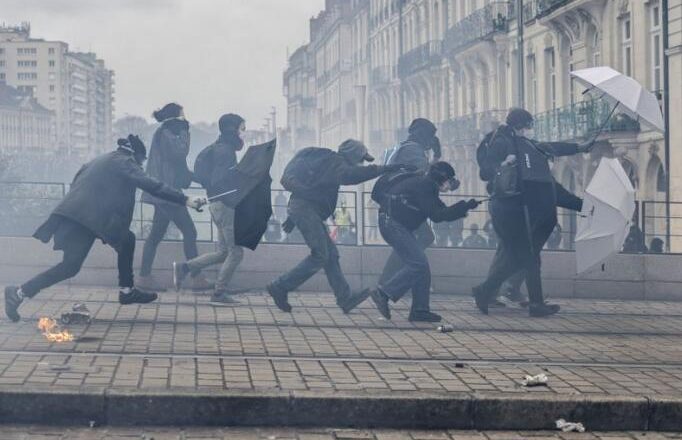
<point>13,98</point>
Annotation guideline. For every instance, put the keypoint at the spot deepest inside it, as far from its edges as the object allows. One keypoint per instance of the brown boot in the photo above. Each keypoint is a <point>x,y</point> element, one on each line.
<point>148,282</point>
<point>199,283</point>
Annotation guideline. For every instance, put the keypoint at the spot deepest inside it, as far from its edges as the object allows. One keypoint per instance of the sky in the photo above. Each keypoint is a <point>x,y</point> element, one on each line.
<point>211,56</point>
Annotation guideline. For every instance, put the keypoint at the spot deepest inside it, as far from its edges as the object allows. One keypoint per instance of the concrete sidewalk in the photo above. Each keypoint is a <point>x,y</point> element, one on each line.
<point>612,365</point>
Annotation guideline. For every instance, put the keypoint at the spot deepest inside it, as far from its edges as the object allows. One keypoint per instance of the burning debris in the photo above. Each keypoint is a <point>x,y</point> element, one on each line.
<point>52,332</point>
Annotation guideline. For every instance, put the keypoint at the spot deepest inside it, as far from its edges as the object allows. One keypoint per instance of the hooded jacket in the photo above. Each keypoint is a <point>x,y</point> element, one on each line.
<point>334,172</point>
<point>416,199</point>
<point>168,157</point>
<point>102,196</point>
<point>222,157</point>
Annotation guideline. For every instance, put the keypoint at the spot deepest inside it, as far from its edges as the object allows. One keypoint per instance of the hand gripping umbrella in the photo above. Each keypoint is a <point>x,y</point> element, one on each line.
<point>622,92</point>
<point>608,206</point>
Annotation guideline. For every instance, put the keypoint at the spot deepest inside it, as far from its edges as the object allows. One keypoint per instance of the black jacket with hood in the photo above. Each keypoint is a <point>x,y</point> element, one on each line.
<point>102,196</point>
<point>168,157</point>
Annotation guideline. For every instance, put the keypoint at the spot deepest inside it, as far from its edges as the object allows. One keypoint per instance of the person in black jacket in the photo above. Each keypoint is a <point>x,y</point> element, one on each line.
<point>308,210</point>
<point>220,157</point>
<point>405,208</point>
<point>168,164</point>
<point>523,221</point>
<point>99,205</point>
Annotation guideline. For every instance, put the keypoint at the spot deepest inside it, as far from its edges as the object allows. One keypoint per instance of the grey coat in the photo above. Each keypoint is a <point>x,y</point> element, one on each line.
<point>102,195</point>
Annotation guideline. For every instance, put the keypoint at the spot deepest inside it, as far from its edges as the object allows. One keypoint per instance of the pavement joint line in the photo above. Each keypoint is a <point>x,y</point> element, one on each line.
<point>387,328</point>
<point>439,361</point>
<point>502,312</point>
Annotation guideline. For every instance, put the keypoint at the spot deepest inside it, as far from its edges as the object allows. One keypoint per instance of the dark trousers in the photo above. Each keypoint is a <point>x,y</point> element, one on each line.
<point>323,253</point>
<point>75,250</point>
<point>523,232</point>
<point>163,215</point>
<point>424,236</point>
<point>414,272</point>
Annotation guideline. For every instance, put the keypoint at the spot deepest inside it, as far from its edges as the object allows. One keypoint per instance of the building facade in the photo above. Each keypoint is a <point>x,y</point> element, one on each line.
<point>77,87</point>
<point>25,125</point>
<point>462,64</point>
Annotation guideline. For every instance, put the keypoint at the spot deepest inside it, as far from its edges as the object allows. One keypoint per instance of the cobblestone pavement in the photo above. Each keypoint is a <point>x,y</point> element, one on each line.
<point>55,433</point>
<point>182,342</point>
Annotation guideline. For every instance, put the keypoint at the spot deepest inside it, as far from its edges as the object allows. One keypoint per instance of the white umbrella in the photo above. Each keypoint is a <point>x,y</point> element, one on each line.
<point>608,206</point>
<point>621,90</point>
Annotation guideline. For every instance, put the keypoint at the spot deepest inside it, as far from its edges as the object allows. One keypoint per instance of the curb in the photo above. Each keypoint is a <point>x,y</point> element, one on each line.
<point>342,410</point>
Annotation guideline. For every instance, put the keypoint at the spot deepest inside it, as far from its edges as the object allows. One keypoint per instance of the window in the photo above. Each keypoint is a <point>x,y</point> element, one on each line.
<point>2,63</point>
<point>626,43</point>
<point>50,51</point>
<point>571,81</point>
<point>596,50</point>
<point>51,87</point>
<point>2,51</point>
<point>2,76</point>
<point>550,58</point>
<point>27,51</point>
<point>51,63</point>
<point>656,46</point>
<point>27,75</point>
<point>27,63</point>
<point>532,85</point>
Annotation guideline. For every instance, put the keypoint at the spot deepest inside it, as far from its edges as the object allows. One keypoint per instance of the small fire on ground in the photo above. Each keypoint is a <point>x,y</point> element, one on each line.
<point>52,332</point>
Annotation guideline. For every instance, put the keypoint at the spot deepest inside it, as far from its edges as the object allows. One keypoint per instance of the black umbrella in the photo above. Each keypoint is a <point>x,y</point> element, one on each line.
<point>246,188</point>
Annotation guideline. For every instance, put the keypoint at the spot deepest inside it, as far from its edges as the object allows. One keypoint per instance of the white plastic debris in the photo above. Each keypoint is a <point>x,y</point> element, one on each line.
<point>569,426</point>
<point>535,381</point>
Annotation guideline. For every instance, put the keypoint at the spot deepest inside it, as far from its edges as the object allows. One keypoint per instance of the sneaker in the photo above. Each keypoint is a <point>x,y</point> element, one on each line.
<point>281,298</point>
<point>481,300</point>
<point>353,301</point>
<point>424,316</point>
<point>542,310</point>
<point>12,302</point>
<point>149,282</point>
<point>136,296</point>
<point>222,298</point>
<point>381,301</point>
<point>496,304</point>
<point>514,295</point>
<point>179,275</point>
<point>201,284</point>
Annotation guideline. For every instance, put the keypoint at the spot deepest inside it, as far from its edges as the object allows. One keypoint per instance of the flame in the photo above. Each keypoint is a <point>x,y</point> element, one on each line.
<point>51,330</point>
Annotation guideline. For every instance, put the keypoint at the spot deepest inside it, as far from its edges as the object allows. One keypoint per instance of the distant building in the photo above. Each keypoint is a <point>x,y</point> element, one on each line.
<point>25,125</point>
<point>77,87</point>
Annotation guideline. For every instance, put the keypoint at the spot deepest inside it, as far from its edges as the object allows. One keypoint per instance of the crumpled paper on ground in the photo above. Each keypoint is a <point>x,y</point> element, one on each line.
<point>534,381</point>
<point>569,426</point>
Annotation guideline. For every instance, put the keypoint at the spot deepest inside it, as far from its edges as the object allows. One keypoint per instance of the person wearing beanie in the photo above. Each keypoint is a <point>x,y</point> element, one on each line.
<point>99,205</point>
<point>524,217</point>
<point>314,176</point>
<point>414,151</point>
<point>211,171</point>
<point>168,164</point>
<point>406,206</point>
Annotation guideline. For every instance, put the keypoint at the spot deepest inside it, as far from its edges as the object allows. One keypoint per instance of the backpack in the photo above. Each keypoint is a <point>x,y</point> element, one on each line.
<point>390,154</point>
<point>485,169</point>
<point>203,167</point>
<point>384,184</point>
<point>306,169</point>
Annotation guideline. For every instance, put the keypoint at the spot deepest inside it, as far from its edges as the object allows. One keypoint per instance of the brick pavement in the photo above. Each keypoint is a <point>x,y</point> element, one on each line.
<point>594,348</point>
<point>138,433</point>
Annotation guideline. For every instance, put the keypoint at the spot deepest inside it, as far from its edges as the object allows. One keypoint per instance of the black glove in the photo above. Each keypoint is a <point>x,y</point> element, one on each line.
<point>288,225</point>
<point>398,167</point>
<point>471,204</point>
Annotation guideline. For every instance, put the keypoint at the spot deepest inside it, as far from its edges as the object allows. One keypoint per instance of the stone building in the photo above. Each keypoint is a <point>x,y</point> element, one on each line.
<point>25,125</point>
<point>457,62</point>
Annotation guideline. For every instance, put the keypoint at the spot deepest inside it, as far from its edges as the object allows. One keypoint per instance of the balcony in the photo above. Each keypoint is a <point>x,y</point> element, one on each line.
<point>468,130</point>
<point>382,75</point>
<point>579,121</point>
<point>545,7</point>
<point>422,57</point>
<point>480,25</point>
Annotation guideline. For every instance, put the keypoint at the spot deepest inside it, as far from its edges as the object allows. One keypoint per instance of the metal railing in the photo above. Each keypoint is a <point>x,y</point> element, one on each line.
<point>544,7</point>
<point>654,225</point>
<point>580,120</point>
<point>422,57</point>
<point>479,25</point>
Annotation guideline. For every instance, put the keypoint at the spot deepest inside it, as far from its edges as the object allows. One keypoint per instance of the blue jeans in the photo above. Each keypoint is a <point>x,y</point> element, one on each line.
<point>323,253</point>
<point>415,272</point>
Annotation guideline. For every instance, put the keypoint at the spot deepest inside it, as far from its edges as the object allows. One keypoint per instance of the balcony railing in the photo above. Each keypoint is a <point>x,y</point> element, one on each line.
<point>469,129</point>
<point>421,57</point>
<point>544,7</point>
<point>479,25</point>
<point>580,120</point>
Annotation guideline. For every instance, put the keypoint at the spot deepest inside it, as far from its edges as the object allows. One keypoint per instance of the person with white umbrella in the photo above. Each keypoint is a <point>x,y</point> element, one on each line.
<point>523,207</point>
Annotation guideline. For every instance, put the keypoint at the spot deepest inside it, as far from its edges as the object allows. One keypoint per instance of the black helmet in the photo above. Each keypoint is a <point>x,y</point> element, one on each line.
<point>134,145</point>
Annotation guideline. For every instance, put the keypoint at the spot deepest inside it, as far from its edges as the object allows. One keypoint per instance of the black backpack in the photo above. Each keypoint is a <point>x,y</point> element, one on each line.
<point>384,184</point>
<point>485,169</point>
<point>203,167</point>
<point>307,168</point>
